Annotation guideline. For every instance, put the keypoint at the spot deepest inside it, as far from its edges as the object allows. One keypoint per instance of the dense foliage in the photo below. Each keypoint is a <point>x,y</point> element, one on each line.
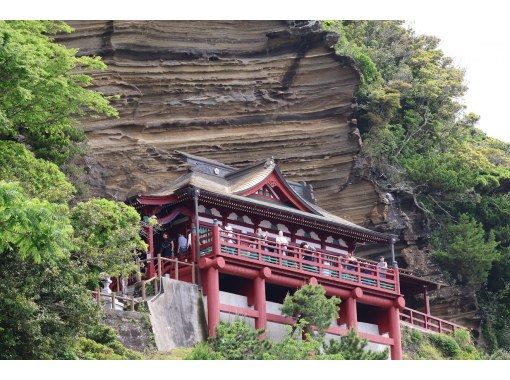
<point>51,255</point>
<point>36,230</point>
<point>39,178</point>
<point>424,146</point>
<point>43,89</point>
<point>420,346</point>
<point>102,343</point>
<point>238,341</point>
<point>43,301</point>
<point>464,251</point>
<point>107,236</point>
<point>309,306</point>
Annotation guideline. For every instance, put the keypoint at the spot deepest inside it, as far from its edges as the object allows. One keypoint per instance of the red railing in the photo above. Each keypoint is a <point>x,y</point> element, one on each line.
<point>317,263</point>
<point>427,322</point>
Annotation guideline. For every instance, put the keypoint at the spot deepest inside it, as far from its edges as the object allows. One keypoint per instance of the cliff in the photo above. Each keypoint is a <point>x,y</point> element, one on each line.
<point>239,92</point>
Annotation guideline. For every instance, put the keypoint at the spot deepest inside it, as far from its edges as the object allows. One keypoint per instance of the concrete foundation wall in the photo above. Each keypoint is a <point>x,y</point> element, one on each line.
<point>177,315</point>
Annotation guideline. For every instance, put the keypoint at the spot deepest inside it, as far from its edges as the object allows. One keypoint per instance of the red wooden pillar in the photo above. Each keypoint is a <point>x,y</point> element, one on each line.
<point>394,327</point>
<point>212,285</point>
<point>259,298</point>
<point>351,313</point>
<point>323,241</point>
<point>351,245</point>
<point>256,224</point>
<point>194,254</point>
<point>213,299</point>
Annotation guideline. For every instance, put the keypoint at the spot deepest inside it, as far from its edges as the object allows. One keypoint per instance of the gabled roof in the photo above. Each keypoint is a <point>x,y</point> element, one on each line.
<point>238,185</point>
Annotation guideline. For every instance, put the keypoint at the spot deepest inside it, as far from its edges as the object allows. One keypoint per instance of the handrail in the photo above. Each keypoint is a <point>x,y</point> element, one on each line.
<point>305,261</point>
<point>400,270</point>
<point>428,322</point>
<point>97,294</point>
<point>165,265</point>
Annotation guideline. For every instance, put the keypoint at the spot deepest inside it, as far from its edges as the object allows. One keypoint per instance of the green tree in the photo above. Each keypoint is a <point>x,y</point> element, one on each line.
<point>238,341</point>
<point>44,304</point>
<point>309,306</point>
<point>464,251</point>
<point>107,236</point>
<point>38,178</point>
<point>352,347</point>
<point>426,148</point>
<point>36,230</point>
<point>43,89</point>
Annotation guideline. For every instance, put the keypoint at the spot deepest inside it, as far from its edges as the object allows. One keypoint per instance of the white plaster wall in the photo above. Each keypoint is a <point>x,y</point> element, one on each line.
<point>235,300</point>
<point>275,331</point>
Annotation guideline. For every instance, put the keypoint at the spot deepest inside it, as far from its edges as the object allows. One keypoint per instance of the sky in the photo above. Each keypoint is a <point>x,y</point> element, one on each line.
<point>482,48</point>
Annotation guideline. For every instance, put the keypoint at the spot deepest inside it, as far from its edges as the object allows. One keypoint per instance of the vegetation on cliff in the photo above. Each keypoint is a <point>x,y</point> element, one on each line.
<point>51,254</point>
<point>459,346</point>
<point>423,145</point>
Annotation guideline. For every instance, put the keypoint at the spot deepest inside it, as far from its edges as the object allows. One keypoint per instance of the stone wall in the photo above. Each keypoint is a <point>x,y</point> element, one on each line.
<point>134,329</point>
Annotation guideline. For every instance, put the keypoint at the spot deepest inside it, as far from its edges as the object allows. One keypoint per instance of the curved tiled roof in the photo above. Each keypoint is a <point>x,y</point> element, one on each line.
<point>230,182</point>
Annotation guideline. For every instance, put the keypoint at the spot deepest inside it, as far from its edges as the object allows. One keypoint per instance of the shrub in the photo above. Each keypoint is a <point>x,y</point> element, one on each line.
<point>237,341</point>
<point>101,342</point>
<point>446,345</point>
<point>352,347</point>
<point>427,352</point>
<point>293,347</point>
<point>309,304</point>
<point>462,249</point>
<point>202,351</point>
<point>500,355</point>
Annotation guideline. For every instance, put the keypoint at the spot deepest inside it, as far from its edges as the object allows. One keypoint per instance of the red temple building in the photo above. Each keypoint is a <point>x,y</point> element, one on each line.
<point>219,208</point>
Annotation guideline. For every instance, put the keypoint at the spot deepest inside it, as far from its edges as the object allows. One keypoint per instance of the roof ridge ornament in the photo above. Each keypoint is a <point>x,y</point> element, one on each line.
<point>269,162</point>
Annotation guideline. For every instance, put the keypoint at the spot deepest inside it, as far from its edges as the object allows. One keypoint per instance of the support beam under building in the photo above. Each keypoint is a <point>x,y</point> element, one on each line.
<point>394,327</point>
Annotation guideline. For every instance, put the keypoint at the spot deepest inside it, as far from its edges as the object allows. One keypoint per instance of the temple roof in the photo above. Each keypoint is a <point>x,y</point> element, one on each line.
<point>236,183</point>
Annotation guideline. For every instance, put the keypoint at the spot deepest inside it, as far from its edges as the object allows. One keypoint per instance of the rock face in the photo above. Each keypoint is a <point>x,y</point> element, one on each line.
<point>231,91</point>
<point>134,329</point>
<point>238,91</point>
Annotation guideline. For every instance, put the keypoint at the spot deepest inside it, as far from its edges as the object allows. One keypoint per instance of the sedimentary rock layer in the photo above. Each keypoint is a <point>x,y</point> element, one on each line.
<point>232,91</point>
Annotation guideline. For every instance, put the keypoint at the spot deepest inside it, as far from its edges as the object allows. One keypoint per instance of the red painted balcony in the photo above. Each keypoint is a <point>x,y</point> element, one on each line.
<point>427,322</point>
<point>325,266</point>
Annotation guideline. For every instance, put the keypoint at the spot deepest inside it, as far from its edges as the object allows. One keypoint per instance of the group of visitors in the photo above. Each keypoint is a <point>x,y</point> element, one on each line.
<point>307,250</point>
<point>167,248</point>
